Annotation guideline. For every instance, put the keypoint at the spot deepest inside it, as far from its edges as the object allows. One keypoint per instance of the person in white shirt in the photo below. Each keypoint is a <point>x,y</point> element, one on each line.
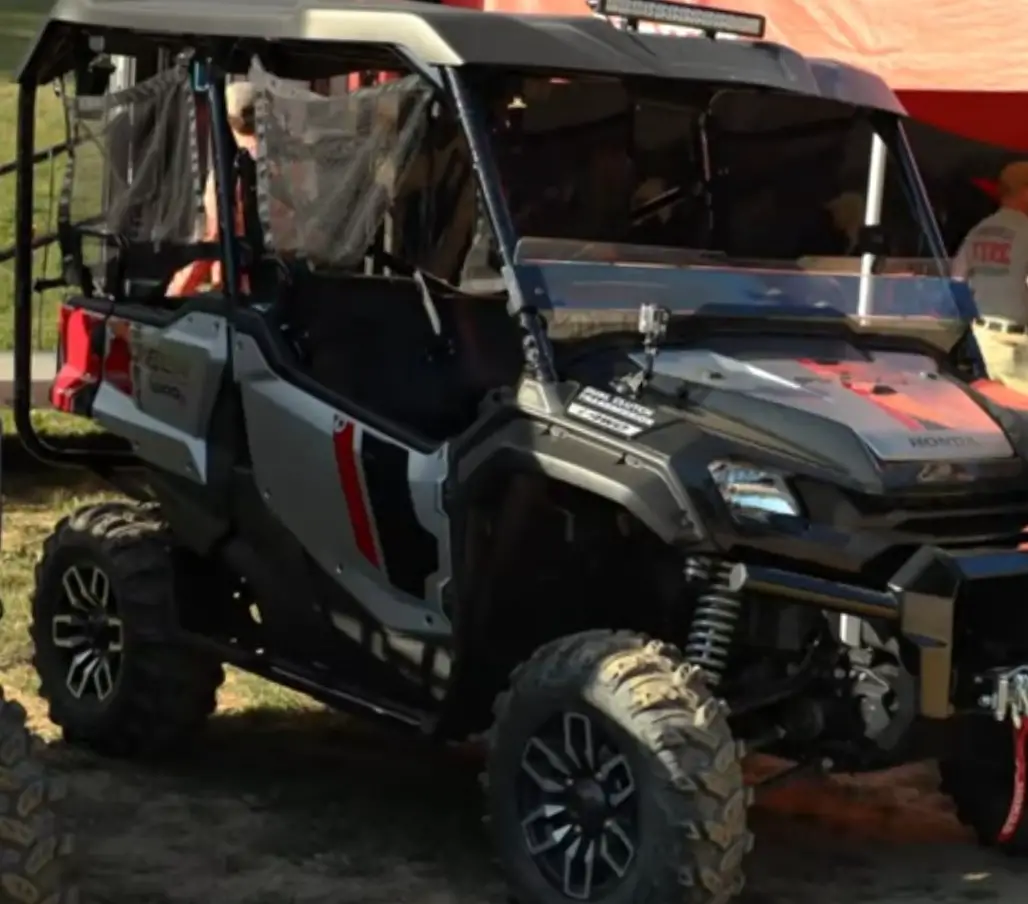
<point>993,259</point>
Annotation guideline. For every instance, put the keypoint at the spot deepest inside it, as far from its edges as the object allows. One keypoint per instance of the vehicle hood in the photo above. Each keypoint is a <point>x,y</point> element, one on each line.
<point>897,403</point>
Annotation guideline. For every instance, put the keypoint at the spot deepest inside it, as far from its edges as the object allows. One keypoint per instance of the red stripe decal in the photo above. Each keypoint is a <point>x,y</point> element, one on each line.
<point>345,442</point>
<point>862,389</point>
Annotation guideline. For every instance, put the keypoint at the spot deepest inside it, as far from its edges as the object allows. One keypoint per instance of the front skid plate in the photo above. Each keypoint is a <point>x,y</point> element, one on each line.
<point>926,589</point>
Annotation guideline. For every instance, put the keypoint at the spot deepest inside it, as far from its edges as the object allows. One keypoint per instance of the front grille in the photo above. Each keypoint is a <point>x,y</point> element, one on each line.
<point>954,522</point>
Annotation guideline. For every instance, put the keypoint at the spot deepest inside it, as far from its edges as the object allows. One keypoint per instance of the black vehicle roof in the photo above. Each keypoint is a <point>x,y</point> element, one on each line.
<point>454,36</point>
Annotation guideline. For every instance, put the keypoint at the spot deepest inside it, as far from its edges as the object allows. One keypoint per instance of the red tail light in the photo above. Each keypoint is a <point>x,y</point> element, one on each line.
<point>87,356</point>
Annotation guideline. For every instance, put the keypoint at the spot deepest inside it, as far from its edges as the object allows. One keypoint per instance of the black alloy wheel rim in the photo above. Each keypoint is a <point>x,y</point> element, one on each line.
<point>577,802</point>
<point>87,631</point>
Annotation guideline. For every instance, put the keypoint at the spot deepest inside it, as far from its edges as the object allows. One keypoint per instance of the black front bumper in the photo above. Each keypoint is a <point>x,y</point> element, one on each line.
<point>921,597</point>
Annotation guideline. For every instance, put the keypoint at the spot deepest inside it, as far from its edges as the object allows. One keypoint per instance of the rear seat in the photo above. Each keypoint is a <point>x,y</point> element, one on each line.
<point>370,339</point>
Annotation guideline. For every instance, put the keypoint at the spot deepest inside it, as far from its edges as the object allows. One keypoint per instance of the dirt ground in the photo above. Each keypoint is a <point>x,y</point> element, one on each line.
<point>285,803</point>
<point>305,808</point>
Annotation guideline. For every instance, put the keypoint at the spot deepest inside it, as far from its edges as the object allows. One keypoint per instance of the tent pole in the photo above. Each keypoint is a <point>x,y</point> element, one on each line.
<point>872,217</point>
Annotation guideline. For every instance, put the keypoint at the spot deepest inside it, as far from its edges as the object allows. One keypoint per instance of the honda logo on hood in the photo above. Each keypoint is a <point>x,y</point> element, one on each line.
<point>949,441</point>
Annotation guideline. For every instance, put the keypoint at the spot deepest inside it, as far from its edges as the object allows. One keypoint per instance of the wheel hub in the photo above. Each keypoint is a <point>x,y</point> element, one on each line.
<point>94,626</point>
<point>86,629</point>
<point>587,804</point>
<point>576,799</point>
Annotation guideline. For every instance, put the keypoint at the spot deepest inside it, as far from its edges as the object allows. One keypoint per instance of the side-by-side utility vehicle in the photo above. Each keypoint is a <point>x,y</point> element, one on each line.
<point>525,375</point>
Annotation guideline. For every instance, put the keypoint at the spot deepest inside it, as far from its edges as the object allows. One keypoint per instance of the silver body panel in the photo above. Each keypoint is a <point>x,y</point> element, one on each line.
<point>292,445</point>
<point>176,375</point>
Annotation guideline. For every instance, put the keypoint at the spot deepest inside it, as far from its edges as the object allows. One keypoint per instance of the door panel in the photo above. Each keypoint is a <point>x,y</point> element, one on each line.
<point>366,508</point>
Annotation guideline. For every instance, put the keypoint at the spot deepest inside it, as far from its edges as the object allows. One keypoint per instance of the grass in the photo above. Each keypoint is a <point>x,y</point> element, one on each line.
<point>19,24</point>
<point>50,423</point>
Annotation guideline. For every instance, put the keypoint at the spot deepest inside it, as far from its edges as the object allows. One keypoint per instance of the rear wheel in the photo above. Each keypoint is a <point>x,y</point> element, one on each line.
<point>35,845</point>
<point>104,627</point>
<point>612,775</point>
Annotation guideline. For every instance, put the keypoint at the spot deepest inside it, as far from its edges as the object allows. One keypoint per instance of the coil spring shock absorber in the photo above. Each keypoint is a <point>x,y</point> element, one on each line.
<point>715,618</point>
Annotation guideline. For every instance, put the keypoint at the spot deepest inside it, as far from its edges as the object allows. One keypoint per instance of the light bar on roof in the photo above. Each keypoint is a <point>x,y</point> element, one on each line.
<point>685,15</point>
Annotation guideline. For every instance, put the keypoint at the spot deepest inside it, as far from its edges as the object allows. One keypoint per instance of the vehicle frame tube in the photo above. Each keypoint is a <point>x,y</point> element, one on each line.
<point>921,597</point>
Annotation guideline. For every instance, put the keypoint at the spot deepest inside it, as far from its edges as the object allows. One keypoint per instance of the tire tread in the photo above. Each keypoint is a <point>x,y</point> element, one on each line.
<point>38,848</point>
<point>646,688</point>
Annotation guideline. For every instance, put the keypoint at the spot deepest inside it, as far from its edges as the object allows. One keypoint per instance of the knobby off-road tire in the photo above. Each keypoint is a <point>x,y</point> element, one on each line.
<point>35,844</point>
<point>163,691</point>
<point>691,803</point>
<point>978,776</point>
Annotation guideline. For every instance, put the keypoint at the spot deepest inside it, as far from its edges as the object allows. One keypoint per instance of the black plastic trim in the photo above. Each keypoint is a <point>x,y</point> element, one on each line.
<point>647,489</point>
<point>254,324</point>
<point>411,553</point>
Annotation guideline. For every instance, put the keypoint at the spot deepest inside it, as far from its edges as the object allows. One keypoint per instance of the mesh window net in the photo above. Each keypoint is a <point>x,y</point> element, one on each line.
<point>329,169</point>
<point>134,173</point>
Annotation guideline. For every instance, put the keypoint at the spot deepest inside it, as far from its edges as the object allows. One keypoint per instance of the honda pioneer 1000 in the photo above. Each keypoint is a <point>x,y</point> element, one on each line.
<point>539,378</point>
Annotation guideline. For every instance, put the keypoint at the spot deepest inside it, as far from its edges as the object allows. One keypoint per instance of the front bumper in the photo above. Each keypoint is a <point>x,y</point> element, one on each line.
<point>921,597</point>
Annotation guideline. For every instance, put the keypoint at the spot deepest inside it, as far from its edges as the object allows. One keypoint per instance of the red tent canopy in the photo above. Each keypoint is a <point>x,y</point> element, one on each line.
<point>999,118</point>
<point>958,65</point>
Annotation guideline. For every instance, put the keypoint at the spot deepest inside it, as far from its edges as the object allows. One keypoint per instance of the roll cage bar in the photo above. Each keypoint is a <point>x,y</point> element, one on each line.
<point>448,82</point>
<point>440,66</point>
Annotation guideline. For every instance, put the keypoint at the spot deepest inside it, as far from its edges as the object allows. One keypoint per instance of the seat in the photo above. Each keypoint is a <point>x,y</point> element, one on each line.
<point>486,340</point>
<point>372,339</point>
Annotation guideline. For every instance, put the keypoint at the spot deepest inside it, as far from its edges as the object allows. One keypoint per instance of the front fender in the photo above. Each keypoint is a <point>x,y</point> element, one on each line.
<point>638,481</point>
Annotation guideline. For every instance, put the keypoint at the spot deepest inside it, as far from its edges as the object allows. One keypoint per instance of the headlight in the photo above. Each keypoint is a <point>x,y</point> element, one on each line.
<point>752,492</point>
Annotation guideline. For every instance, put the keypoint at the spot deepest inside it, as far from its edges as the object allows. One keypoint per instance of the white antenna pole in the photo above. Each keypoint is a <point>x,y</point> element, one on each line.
<point>872,217</point>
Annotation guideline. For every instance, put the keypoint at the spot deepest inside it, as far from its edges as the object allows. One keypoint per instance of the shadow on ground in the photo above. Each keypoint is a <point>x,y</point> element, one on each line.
<point>19,462</point>
<point>305,809</point>
<point>311,808</point>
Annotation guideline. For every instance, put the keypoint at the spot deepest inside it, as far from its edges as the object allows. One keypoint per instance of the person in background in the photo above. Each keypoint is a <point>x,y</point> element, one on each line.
<point>823,229</point>
<point>239,105</point>
<point>993,259</point>
<point>847,213</point>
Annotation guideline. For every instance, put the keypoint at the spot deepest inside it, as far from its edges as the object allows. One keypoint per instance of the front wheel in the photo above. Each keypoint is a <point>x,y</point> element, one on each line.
<point>978,774</point>
<point>612,775</point>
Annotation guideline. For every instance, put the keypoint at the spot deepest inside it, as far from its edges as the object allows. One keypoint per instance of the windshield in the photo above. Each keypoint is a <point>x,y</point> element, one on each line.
<point>700,198</point>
